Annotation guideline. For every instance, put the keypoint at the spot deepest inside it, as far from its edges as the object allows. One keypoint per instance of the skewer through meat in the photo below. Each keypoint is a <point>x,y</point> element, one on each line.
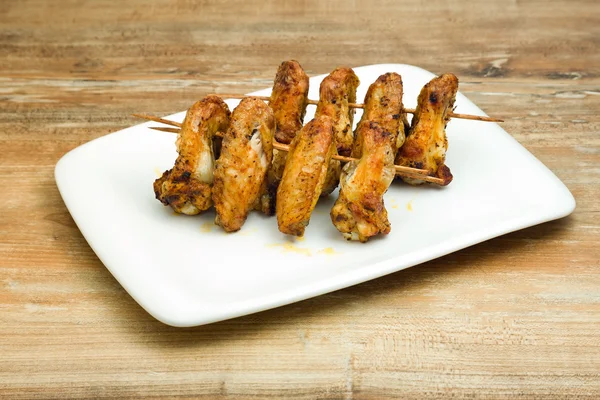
<point>359,212</point>
<point>187,187</point>
<point>383,104</point>
<point>288,101</point>
<point>250,174</point>
<point>426,143</point>
<point>241,170</point>
<point>337,90</point>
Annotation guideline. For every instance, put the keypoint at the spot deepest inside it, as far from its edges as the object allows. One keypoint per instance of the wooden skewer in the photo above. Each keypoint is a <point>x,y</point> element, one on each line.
<point>157,119</point>
<point>160,128</point>
<point>400,170</point>
<point>358,105</point>
<point>285,147</point>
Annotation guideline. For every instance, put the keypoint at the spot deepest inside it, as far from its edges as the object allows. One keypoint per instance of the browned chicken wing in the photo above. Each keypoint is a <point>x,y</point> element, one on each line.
<point>240,171</point>
<point>426,143</point>
<point>187,188</point>
<point>304,175</point>
<point>359,212</point>
<point>288,102</point>
<point>337,90</point>
<point>383,104</point>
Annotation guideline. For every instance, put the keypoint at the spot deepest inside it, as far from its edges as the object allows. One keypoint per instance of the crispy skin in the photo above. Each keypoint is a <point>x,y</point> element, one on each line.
<point>337,90</point>
<point>359,212</point>
<point>304,175</point>
<point>288,102</point>
<point>383,104</point>
<point>426,143</point>
<point>187,188</point>
<point>241,169</point>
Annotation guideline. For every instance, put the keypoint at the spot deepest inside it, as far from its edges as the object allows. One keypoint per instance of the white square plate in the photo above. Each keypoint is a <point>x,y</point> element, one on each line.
<point>185,271</point>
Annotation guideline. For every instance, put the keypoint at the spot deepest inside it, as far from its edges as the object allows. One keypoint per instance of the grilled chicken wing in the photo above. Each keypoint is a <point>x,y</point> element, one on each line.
<point>241,169</point>
<point>304,175</point>
<point>359,212</point>
<point>337,90</point>
<point>383,104</point>
<point>426,143</point>
<point>187,188</point>
<point>288,102</point>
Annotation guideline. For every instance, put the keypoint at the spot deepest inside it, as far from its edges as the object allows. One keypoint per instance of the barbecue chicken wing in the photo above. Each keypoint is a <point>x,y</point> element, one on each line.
<point>383,104</point>
<point>359,212</point>
<point>426,143</point>
<point>337,90</point>
<point>304,175</point>
<point>187,188</point>
<point>288,102</point>
<point>240,171</point>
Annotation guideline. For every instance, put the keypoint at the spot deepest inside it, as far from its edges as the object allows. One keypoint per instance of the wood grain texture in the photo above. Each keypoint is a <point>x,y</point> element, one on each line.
<point>515,317</point>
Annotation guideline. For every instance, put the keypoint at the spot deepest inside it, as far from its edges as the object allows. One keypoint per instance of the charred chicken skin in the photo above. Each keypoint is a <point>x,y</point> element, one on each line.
<point>304,175</point>
<point>383,104</point>
<point>426,144</point>
<point>337,90</point>
<point>359,212</point>
<point>246,155</point>
<point>187,188</point>
<point>288,101</point>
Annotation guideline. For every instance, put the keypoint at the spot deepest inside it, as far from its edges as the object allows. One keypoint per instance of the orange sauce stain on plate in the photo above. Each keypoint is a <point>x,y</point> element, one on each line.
<point>247,232</point>
<point>207,226</point>
<point>291,248</point>
<point>328,251</point>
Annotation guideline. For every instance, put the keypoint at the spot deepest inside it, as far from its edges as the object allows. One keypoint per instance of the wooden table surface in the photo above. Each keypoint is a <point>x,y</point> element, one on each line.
<point>515,317</point>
